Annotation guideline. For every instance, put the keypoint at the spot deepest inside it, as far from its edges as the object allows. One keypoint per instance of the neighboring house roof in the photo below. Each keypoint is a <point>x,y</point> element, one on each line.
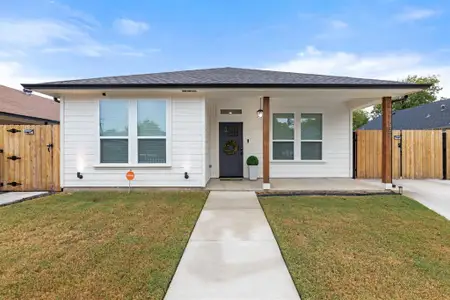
<point>225,77</point>
<point>428,116</point>
<point>17,103</point>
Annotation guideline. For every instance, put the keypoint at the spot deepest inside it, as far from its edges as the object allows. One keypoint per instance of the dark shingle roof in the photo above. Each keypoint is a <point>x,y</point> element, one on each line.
<point>428,116</point>
<point>225,77</point>
<point>15,102</point>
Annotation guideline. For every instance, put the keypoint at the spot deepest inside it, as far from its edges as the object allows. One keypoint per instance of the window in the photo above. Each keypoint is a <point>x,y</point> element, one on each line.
<point>283,136</point>
<point>151,131</point>
<point>114,131</point>
<point>311,136</point>
<point>231,111</point>
<point>134,132</point>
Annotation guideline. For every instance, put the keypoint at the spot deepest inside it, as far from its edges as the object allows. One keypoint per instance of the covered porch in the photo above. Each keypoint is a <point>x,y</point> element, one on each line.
<point>252,116</point>
<point>298,184</point>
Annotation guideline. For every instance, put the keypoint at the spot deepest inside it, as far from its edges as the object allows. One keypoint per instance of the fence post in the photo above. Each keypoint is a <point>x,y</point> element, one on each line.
<point>355,154</point>
<point>400,145</point>
<point>444,155</point>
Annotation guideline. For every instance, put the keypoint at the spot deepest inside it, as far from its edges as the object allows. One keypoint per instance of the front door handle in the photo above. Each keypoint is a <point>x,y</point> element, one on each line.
<point>242,151</point>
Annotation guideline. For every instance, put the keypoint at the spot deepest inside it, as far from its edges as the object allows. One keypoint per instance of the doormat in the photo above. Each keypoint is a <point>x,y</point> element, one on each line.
<point>231,179</point>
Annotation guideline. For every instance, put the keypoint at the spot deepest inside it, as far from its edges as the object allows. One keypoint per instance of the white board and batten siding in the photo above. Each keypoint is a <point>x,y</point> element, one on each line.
<point>81,148</point>
<point>336,141</point>
<point>336,148</point>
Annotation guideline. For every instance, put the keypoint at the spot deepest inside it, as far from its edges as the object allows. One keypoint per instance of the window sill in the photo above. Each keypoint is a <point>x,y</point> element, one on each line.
<point>132,166</point>
<point>299,161</point>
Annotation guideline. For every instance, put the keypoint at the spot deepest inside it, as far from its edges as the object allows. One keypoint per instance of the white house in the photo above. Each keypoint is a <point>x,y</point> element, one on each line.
<point>180,129</point>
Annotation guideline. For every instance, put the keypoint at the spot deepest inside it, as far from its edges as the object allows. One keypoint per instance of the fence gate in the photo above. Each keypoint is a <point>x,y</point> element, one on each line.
<point>29,158</point>
<point>416,154</point>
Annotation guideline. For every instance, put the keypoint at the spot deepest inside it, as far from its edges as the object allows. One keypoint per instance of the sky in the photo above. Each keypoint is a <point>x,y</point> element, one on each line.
<point>48,40</point>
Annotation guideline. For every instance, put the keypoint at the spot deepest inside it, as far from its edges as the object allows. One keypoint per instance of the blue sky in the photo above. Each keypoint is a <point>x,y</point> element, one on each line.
<point>52,40</point>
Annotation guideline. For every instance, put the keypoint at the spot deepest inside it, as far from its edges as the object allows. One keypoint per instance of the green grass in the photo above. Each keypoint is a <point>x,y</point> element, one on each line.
<point>95,245</point>
<point>374,247</point>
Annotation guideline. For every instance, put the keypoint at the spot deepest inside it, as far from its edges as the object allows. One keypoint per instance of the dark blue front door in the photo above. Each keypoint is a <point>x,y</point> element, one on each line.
<point>230,149</point>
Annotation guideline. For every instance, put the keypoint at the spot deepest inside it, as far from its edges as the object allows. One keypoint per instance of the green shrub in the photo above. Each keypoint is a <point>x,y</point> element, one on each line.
<point>252,161</point>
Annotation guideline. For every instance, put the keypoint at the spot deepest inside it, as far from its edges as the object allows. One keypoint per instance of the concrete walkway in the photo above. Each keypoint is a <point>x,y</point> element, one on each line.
<point>13,197</point>
<point>232,254</point>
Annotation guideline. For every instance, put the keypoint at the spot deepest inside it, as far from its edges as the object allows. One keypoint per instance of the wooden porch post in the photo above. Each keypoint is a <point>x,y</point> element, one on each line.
<point>386,149</point>
<point>266,143</point>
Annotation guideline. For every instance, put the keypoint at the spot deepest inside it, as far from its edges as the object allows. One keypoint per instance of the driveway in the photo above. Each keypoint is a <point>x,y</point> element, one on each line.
<point>433,193</point>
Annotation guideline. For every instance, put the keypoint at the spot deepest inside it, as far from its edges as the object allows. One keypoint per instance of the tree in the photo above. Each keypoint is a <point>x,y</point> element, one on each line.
<point>360,118</point>
<point>416,99</point>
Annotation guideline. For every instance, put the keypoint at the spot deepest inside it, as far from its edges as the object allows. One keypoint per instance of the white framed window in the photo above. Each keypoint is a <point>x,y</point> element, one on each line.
<point>311,133</point>
<point>114,132</point>
<point>152,131</point>
<point>283,136</point>
<point>134,132</point>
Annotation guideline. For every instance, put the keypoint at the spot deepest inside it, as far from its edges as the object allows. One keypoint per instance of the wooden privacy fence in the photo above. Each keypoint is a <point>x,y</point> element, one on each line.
<point>29,158</point>
<point>416,154</point>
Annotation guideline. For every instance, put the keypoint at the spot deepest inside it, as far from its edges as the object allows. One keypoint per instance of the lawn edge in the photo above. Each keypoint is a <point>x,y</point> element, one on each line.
<point>278,244</point>
<point>185,246</point>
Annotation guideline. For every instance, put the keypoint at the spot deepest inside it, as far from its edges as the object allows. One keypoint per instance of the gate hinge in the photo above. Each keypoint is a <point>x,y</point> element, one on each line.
<point>13,130</point>
<point>13,157</point>
<point>1,183</point>
<point>14,183</point>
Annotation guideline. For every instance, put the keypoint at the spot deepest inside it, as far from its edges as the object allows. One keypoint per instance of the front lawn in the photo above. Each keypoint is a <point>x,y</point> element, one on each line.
<point>373,247</point>
<point>95,245</point>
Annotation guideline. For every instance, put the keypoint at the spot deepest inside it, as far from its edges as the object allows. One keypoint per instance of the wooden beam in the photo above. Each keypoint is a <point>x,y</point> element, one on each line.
<point>266,142</point>
<point>386,148</point>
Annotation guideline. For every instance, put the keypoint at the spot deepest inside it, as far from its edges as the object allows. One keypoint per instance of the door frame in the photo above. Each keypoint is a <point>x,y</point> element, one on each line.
<point>241,145</point>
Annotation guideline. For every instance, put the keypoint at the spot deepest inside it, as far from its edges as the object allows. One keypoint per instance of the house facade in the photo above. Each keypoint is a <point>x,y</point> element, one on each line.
<point>180,129</point>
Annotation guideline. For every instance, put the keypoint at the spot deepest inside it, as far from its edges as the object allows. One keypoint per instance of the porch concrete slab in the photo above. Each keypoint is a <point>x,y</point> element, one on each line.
<point>216,184</point>
<point>299,184</point>
<point>323,184</point>
<point>231,200</point>
<point>14,197</point>
<point>232,254</point>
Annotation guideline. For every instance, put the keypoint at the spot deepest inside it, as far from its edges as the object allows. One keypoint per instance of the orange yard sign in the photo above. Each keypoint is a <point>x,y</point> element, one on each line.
<point>130,175</point>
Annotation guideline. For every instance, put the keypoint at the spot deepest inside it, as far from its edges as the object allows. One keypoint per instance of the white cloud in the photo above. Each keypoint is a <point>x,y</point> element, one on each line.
<point>392,66</point>
<point>130,27</point>
<point>36,32</point>
<point>12,74</point>
<point>76,16</point>
<point>415,14</point>
<point>52,36</point>
<point>338,24</point>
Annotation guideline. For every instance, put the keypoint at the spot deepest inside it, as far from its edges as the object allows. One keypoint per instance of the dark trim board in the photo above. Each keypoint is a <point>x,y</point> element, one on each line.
<point>28,118</point>
<point>222,85</point>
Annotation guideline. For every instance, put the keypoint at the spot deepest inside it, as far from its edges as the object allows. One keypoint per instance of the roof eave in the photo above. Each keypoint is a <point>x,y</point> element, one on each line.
<point>39,86</point>
<point>28,117</point>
